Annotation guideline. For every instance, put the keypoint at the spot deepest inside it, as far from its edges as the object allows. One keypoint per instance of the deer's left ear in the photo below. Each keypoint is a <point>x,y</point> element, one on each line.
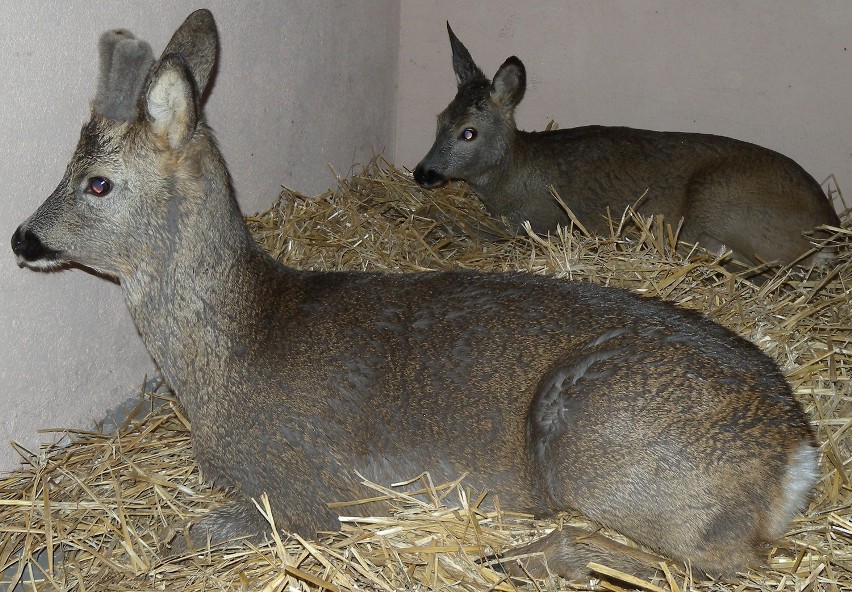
<point>197,42</point>
<point>509,84</point>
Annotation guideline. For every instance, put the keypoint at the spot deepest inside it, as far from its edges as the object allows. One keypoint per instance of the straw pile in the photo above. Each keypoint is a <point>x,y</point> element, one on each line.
<point>94,513</point>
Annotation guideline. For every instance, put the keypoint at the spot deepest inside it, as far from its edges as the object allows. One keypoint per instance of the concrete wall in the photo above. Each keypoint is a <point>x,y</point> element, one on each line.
<point>300,85</point>
<point>775,73</point>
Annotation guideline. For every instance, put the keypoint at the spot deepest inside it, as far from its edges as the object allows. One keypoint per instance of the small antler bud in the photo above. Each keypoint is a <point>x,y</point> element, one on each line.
<point>125,62</point>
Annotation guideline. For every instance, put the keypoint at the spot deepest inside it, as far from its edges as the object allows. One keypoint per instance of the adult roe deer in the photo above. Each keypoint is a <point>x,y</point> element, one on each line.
<point>553,394</point>
<point>731,195</point>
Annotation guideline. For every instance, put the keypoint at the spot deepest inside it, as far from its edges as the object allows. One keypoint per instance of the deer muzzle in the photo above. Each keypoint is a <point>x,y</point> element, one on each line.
<point>428,178</point>
<point>28,247</point>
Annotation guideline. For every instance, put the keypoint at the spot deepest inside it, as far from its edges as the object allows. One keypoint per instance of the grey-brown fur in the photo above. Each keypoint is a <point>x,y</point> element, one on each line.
<point>125,62</point>
<point>551,394</point>
<point>730,194</point>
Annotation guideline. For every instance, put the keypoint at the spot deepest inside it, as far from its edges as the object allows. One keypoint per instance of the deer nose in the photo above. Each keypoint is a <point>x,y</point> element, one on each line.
<point>27,245</point>
<point>428,178</point>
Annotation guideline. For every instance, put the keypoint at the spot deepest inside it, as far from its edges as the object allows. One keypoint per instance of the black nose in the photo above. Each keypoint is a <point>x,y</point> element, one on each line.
<point>27,245</point>
<point>428,178</point>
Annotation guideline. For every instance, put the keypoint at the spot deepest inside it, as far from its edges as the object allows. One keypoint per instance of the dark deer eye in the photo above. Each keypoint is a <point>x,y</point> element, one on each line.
<point>99,186</point>
<point>468,134</point>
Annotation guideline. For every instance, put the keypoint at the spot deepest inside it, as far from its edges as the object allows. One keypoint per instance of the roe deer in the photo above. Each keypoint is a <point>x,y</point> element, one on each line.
<point>731,195</point>
<point>553,394</point>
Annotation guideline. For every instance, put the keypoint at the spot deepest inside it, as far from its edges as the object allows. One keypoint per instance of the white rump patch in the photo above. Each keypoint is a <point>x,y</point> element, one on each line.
<point>802,473</point>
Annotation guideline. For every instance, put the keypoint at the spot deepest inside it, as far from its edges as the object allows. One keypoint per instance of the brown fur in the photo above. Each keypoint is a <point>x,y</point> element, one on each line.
<point>731,195</point>
<point>552,394</point>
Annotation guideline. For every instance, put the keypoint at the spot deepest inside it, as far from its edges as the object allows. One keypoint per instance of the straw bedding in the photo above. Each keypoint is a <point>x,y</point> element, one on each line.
<point>93,514</point>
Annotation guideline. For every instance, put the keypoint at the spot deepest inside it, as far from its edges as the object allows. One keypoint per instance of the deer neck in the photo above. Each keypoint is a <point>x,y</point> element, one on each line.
<point>194,300</point>
<point>501,187</point>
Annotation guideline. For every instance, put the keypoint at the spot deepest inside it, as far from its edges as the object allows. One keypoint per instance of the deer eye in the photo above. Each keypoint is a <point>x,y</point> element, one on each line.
<point>468,134</point>
<point>99,186</point>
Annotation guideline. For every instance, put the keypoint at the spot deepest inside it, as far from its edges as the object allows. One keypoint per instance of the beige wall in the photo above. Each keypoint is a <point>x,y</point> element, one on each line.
<point>300,85</point>
<point>774,73</point>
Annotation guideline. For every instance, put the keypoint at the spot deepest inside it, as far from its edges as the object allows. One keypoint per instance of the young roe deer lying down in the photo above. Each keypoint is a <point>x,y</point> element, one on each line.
<point>552,394</point>
<point>731,195</point>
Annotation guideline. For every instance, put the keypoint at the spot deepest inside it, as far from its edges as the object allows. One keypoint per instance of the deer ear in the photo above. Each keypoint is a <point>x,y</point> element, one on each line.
<point>125,62</point>
<point>463,65</point>
<point>171,102</point>
<point>509,84</point>
<point>197,42</point>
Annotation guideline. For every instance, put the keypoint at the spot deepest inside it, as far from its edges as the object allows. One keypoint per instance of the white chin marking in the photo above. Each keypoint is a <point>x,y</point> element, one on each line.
<point>41,264</point>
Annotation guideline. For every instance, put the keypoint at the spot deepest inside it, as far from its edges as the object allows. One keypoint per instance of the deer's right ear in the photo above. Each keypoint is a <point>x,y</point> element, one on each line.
<point>463,65</point>
<point>171,103</point>
<point>125,62</point>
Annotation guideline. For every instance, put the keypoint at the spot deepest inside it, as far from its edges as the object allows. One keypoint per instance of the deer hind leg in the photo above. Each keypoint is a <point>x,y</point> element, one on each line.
<point>759,218</point>
<point>719,248</point>
<point>237,521</point>
<point>570,457</point>
<point>566,552</point>
<point>644,432</point>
